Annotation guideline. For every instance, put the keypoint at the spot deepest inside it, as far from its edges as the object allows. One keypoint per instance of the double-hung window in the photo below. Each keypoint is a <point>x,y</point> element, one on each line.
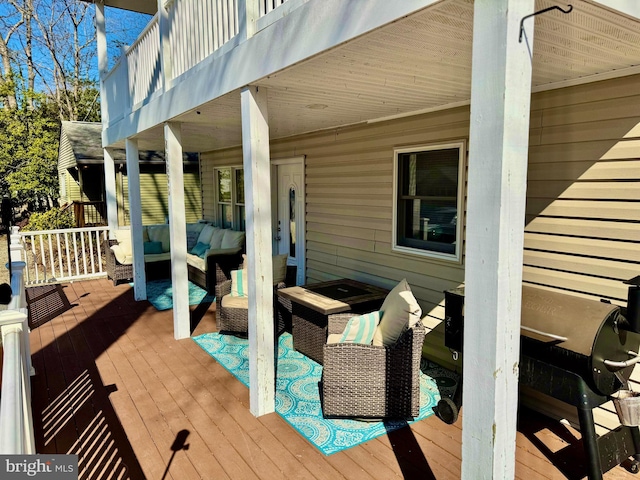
<point>428,200</point>
<point>230,208</point>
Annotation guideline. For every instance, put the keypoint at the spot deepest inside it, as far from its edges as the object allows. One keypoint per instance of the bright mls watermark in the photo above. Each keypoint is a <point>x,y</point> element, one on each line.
<point>51,467</point>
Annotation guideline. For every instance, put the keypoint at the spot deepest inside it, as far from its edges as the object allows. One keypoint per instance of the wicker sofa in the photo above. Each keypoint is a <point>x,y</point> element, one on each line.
<point>214,246</point>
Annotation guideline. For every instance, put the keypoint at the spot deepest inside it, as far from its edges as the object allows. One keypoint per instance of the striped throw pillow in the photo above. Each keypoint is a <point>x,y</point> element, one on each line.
<point>239,283</point>
<point>360,329</point>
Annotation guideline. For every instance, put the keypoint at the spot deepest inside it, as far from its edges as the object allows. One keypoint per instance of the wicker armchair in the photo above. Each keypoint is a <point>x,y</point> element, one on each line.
<point>236,320</point>
<point>116,271</point>
<point>366,381</point>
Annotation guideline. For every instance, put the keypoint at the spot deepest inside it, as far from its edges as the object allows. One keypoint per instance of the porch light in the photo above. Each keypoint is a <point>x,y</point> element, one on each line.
<point>316,106</point>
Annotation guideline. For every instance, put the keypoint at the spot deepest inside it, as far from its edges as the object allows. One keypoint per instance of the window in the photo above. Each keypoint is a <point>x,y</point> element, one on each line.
<point>230,210</point>
<point>428,193</point>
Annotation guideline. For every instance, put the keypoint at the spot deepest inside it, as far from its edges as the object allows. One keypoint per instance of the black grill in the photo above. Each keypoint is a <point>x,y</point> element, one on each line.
<point>576,350</point>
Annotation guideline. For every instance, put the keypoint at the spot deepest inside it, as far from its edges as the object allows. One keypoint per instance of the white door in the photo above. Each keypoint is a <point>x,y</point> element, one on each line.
<point>289,228</point>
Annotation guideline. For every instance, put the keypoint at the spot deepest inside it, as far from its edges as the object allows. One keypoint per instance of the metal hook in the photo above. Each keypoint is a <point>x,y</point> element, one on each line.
<point>555,7</point>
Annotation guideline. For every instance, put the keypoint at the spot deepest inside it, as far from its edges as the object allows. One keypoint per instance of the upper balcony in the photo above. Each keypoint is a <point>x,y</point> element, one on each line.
<point>330,63</point>
<point>193,30</point>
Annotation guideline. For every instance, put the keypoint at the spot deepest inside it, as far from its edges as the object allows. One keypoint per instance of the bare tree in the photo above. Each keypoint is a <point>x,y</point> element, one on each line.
<point>10,21</point>
<point>68,36</point>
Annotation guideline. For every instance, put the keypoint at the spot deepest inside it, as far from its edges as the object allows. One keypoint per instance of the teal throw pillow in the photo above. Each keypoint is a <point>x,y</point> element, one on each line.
<point>152,247</point>
<point>200,249</point>
<point>360,329</point>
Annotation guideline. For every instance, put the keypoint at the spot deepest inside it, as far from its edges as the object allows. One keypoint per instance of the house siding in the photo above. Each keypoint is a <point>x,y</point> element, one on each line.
<point>582,230</point>
<point>154,185</point>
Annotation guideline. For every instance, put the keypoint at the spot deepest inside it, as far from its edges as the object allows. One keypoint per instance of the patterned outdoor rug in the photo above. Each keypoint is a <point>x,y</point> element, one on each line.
<point>160,294</point>
<point>298,399</point>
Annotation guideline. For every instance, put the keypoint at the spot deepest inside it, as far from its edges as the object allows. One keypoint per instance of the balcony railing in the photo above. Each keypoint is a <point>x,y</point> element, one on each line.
<point>195,30</point>
<point>16,419</point>
<point>55,256</point>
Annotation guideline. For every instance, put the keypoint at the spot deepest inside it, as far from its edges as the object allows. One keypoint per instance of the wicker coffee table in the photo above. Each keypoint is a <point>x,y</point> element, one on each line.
<point>312,304</point>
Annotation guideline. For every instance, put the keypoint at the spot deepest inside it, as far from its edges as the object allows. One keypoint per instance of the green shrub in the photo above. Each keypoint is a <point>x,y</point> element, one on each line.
<point>51,220</point>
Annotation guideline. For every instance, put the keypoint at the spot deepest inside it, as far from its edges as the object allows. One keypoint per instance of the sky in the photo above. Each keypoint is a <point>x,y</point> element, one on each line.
<point>123,27</point>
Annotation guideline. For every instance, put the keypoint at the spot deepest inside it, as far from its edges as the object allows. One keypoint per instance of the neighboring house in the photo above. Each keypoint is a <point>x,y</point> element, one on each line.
<point>393,155</point>
<point>81,176</point>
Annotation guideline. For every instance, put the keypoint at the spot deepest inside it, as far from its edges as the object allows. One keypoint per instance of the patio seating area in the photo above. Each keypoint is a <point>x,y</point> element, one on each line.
<point>113,386</point>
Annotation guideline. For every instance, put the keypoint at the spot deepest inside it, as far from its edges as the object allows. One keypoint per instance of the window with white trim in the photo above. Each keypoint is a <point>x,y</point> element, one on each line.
<point>230,208</point>
<point>428,200</point>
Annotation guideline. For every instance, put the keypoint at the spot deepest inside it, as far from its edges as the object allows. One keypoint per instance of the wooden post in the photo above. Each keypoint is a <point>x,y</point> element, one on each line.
<point>110,189</point>
<point>177,230</point>
<point>498,150</point>
<point>257,172</point>
<point>135,215</point>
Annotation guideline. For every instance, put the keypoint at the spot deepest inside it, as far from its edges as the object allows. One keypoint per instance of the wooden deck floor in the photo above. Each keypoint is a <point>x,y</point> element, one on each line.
<point>113,386</point>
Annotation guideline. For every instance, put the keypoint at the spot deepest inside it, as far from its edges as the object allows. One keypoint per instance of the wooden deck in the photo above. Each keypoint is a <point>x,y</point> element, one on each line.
<point>113,386</point>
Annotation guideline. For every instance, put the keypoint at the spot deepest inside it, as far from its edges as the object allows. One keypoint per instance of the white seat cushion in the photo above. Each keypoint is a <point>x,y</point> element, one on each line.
<point>279,265</point>
<point>229,301</point>
<point>400,311</point>
<point>160,233</point>
<point>123,257</point>
<point>232,239</point>
<point>216,238</point>
<point>205,234</point>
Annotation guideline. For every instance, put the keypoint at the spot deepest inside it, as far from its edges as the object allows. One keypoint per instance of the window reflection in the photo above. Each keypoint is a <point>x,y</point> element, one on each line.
<point>292,222</point>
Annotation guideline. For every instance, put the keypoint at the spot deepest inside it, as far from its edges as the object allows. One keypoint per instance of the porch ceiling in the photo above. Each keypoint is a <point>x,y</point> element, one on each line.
<point>142,6</point>
<point>418,63</point>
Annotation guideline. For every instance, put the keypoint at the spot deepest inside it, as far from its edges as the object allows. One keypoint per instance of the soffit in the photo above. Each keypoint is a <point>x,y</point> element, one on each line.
<point>418,63</point>
<point>149,7</point>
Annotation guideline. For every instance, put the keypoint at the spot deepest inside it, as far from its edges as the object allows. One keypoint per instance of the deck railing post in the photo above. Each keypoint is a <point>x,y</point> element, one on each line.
<point>16,247</point>
<point>16,422</point>
<point>248,14</point>
<point>164,30</point>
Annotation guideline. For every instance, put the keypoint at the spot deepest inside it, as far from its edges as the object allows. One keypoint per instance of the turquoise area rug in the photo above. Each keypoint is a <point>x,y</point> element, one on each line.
<point>297,395</point>
<point>160,294</point>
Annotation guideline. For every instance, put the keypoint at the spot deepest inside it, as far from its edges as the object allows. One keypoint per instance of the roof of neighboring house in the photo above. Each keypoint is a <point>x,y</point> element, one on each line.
<point>81,144</point>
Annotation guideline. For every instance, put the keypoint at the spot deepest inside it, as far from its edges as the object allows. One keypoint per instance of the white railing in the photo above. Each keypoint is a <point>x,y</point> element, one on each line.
<point>16,419</point>
<point>268,5</point>
<point>115,92</point>
<point>195,30</point>
<point>143,63</point>
<point>54,256</point>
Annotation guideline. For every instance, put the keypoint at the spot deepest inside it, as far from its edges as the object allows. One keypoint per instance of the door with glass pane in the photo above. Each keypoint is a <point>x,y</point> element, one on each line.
<point>289,214</point>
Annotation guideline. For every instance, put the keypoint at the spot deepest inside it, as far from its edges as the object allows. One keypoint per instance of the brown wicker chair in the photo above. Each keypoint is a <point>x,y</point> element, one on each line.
<point>236,320</point>
<point>116,271</point>
<point>366,381</point>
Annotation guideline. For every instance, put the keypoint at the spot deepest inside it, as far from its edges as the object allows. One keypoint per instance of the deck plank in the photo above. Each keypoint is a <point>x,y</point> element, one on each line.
<point>133,389</point>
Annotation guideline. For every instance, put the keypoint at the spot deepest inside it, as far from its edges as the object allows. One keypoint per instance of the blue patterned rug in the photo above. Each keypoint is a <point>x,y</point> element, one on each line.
<point>298,399</point>
<point>160,294</point>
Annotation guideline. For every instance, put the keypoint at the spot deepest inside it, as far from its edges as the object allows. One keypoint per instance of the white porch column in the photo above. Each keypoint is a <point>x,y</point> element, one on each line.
<point>498,147</point>
<point>135,215</point>
<point>257,174</point>
<point>110,189</point>
<point>177,230</point>
<point>103,59</point>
